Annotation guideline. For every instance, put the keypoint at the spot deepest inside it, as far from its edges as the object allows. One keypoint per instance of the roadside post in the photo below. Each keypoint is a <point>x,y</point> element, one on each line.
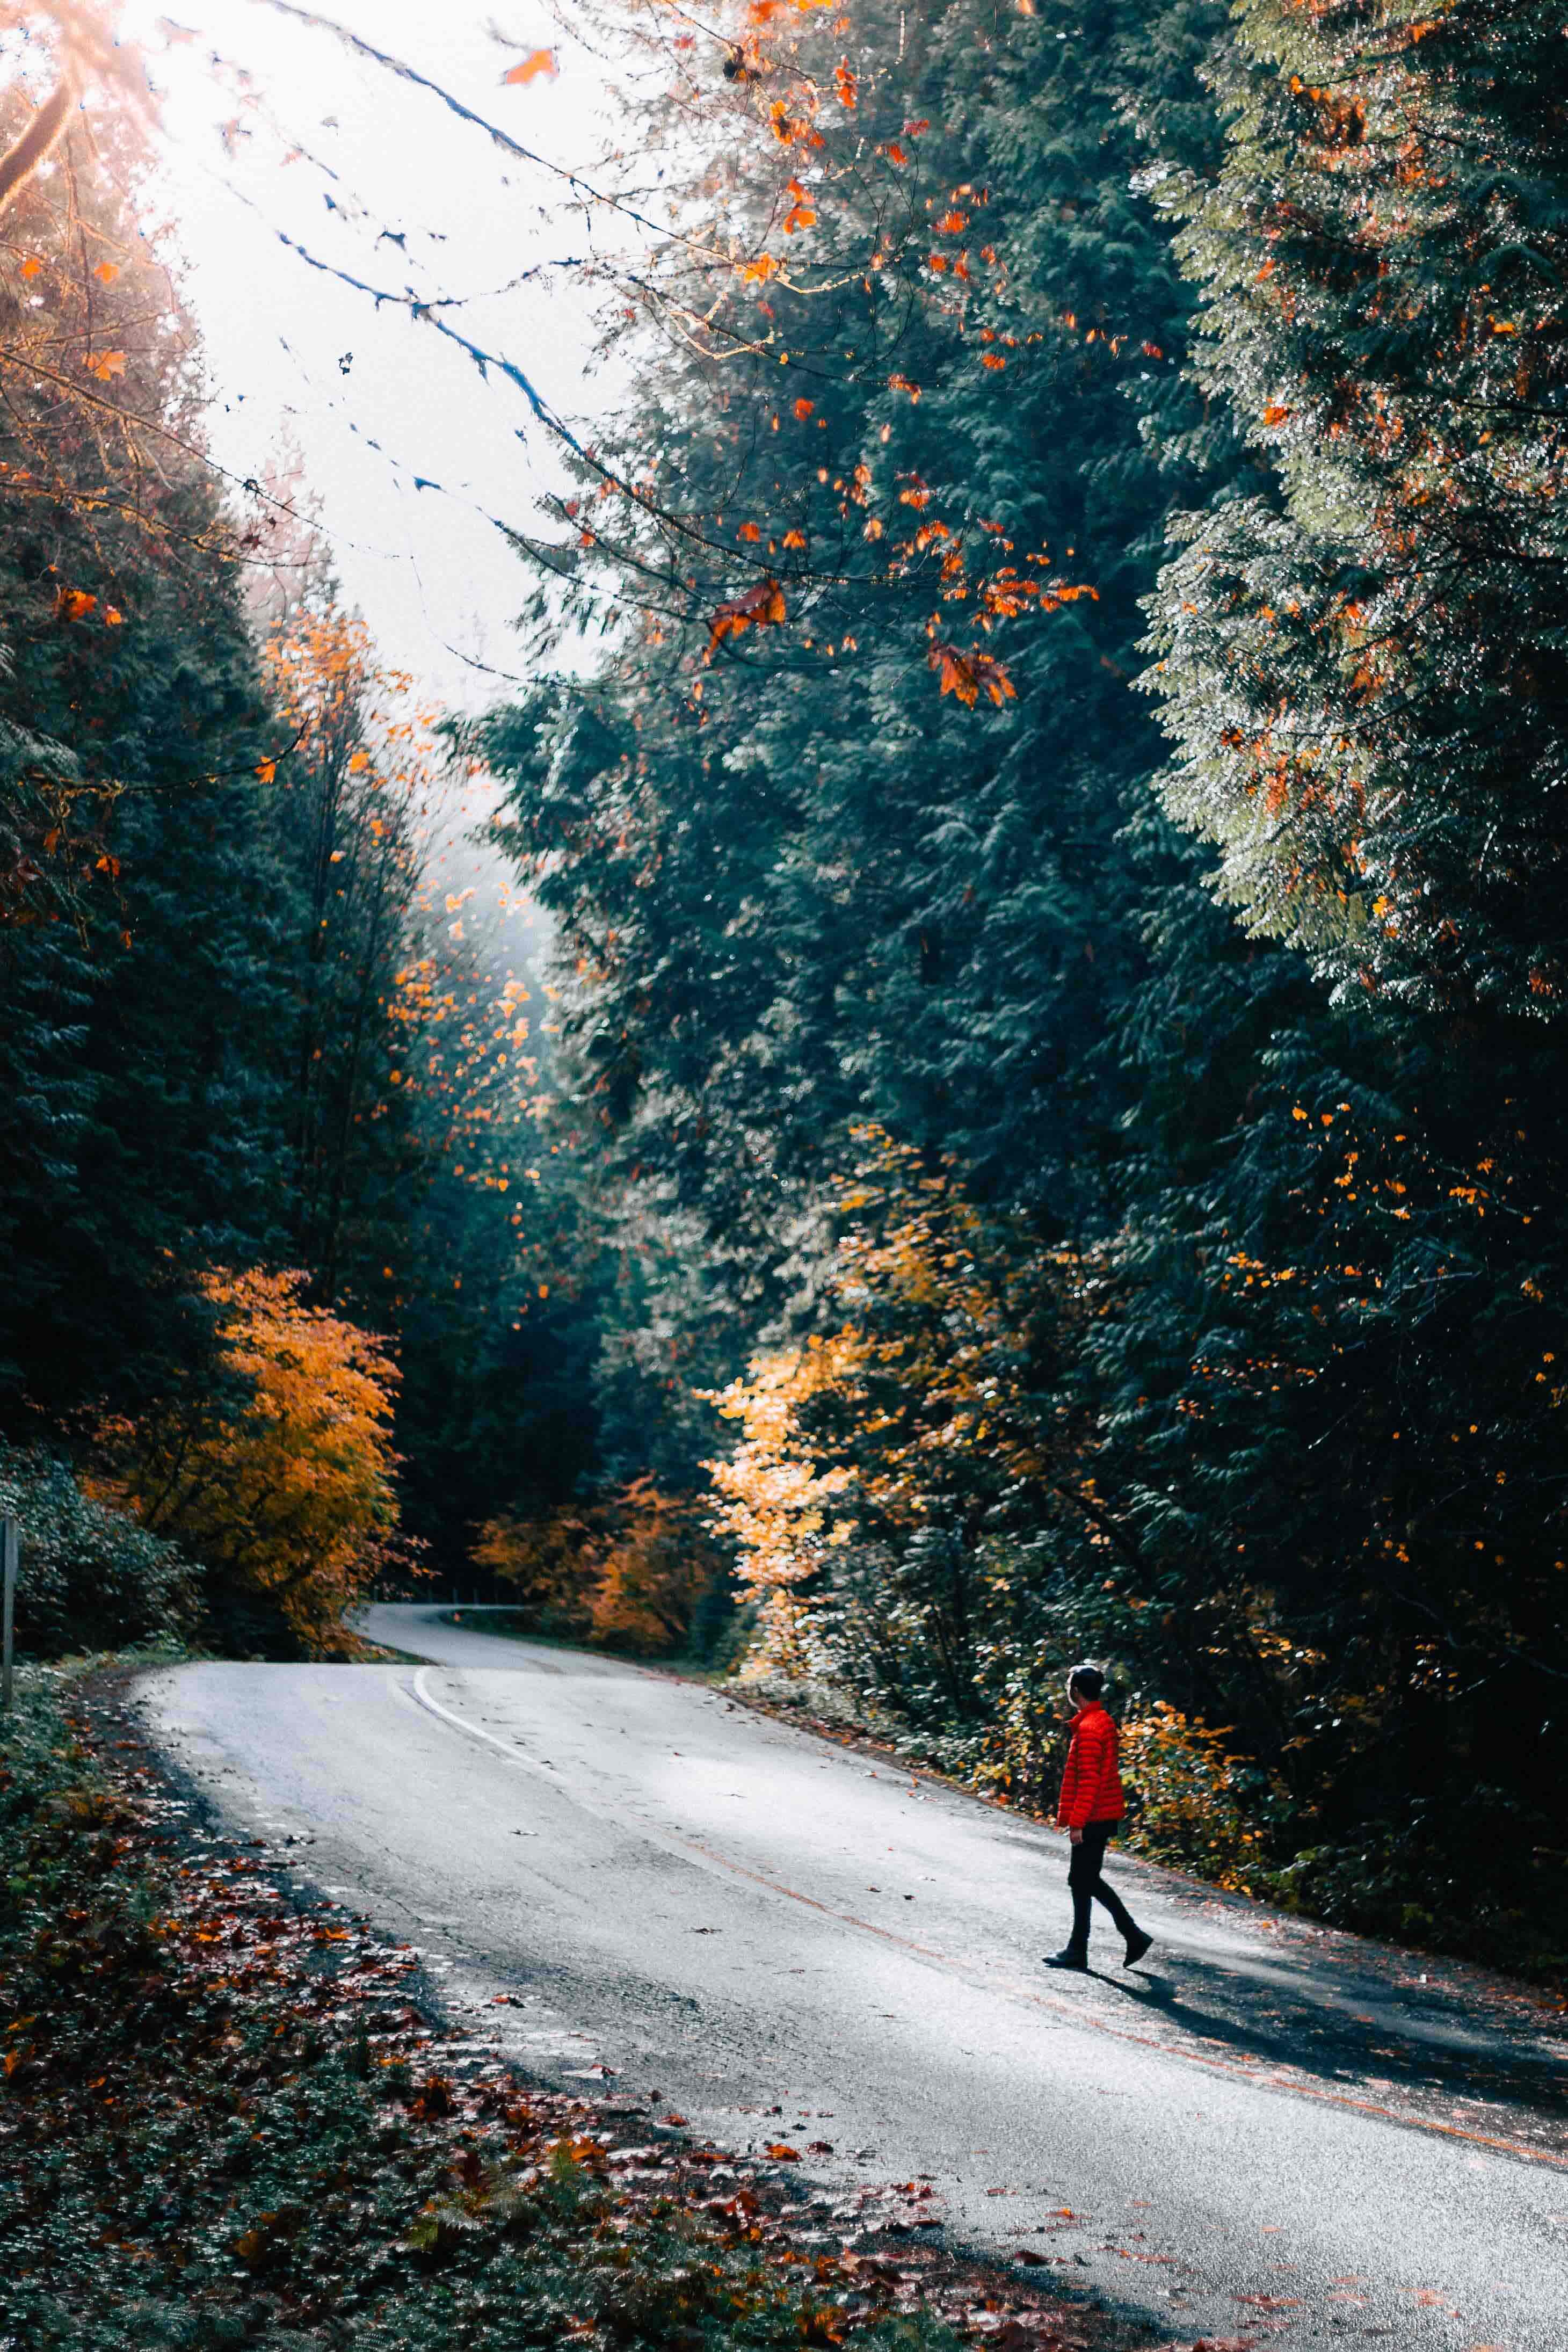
<point>10,1545</point>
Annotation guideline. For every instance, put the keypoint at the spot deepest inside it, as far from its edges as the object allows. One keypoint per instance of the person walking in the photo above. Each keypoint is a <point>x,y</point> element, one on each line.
<point>1089,1809</point>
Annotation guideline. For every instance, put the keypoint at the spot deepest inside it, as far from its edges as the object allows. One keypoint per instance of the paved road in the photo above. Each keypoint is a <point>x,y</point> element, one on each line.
<point>1270,2131</point>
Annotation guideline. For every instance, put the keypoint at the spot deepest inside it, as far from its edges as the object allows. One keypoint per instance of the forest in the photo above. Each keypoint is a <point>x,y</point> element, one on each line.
<point>971,1074</point>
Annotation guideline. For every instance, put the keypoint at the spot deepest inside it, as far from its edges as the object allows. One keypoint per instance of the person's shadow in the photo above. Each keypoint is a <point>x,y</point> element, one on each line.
<point>1436,2051</point>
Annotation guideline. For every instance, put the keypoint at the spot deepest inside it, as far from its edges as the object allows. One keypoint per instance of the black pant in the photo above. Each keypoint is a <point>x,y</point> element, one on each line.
<point>1084,1878</point>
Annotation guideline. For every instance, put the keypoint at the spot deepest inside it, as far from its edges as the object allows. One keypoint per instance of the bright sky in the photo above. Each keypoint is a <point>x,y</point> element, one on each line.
<point>298,355</point>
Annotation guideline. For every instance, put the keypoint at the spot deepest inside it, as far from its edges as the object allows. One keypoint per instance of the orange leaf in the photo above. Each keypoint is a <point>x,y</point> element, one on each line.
<point>537,62</point>
<point>802,408</point>
<point>73,604</point>
<point>802,212</point>
<point>847,86</point>
<point>1274,413</point>
<point>762,268</point>
<point>992,359</point>
<point>360,760</point>
<point>267,770</point>
<point>31,267</point>
<point>952,223</point>
<point>761,606</point>
<point>972,674</point>
<point>794,538</point>
<point>782,2153</point>
<point>103,364</point>
<point>112,618</point>
<point>748,530</point>
<point>107,271</point>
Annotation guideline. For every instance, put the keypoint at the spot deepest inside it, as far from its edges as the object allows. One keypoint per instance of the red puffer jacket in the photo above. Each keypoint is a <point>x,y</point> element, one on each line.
<point>1091,1785</point>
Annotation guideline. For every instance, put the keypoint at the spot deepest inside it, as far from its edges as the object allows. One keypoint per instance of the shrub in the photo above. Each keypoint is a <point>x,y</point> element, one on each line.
<point>1192,1803</point>
<point>1424,1876</point>
<point>90,1578</point>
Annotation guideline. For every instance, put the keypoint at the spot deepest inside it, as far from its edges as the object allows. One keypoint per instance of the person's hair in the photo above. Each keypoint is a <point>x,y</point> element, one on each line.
<point>1087,1679</point>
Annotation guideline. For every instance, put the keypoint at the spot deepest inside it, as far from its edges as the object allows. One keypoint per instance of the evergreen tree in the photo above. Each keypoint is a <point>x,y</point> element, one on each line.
<point>1366,676</point>
<point>143,960</point>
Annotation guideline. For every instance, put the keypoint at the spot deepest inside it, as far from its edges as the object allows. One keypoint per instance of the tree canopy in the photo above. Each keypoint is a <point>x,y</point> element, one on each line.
<point>980,1078</point>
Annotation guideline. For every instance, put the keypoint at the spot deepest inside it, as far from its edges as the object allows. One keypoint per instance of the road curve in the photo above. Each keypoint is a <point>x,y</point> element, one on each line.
<point>1270,2131</point>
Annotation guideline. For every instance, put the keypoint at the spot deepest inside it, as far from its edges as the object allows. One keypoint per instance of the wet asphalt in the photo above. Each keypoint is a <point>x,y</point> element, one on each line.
<point>1268,2132</point>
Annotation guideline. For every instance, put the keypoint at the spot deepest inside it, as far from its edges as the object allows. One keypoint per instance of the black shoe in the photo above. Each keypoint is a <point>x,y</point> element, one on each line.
<point>1137,1944</point>
<point>1069,1958</point>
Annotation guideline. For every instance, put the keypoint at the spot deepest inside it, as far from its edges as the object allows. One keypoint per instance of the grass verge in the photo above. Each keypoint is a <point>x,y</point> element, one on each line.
<point>227,2118</point>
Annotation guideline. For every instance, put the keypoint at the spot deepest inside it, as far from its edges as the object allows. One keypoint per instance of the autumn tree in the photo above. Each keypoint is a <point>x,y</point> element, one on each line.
<point>626,1569</point>
<point>283,1484</point>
